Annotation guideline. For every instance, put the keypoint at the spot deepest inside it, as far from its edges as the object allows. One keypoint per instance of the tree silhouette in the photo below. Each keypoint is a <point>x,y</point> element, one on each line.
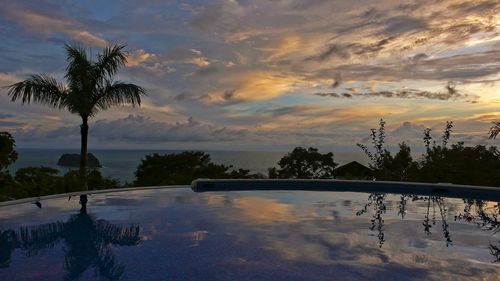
<point>495,130</point>
<point>399,167</point>
<point>87,244</point>
<point>8,154</point>
<point>89,88</point>
<point>304,163</point>
<point>183,168</point>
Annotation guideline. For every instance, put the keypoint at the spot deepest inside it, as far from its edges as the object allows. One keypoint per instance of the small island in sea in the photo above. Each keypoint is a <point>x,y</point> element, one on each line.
<point>73,160</point>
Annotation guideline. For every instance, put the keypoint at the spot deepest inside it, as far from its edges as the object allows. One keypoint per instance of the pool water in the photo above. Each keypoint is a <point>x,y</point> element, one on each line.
<point>176,234</point>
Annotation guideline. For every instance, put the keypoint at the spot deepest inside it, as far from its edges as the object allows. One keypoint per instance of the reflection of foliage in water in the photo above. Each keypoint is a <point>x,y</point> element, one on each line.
<point>484,215</point>
<point>377,220</point>
<point>88,244</point>
<point>495,252</point>
<point>479,213</point>
<point>402,205</point>
<point>443,211</point>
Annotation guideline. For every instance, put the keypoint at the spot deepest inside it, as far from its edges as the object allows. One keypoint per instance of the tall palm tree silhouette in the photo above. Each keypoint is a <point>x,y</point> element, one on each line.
<point>87,244</point>
<point>89,88</point>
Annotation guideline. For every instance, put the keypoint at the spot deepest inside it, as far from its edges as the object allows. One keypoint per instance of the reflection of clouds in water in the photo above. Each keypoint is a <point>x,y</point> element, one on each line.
<point>264,210</point>
<point>313,235</point>
<point>196,237</point>
<point>351,247</point>
<point>318,243</point>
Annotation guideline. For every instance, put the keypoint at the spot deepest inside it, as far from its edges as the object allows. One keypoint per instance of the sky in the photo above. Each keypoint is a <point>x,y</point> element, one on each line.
<point>263,74</point>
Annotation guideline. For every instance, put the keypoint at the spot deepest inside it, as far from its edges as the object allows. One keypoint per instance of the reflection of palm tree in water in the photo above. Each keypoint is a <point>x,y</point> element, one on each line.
<point>88,244</point>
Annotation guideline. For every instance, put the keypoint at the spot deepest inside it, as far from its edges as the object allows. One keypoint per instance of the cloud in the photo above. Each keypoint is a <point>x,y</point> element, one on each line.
<point>402,24</point>
<point>254,86</point>
<point>450,94</point>
<point>205,71</point>
<point>464,68</point>
<point>138,57</point>
<point>207,17</point>
<point>5,115</point>
<point>49,25</point>
<point>255,65</point>
<point>140,129</point>
<point>333,50</point>
<point>150,62</point>
<point>9,125</point>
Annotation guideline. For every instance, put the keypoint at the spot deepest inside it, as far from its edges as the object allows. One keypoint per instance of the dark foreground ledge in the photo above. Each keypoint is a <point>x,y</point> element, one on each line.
<point>427,189</point>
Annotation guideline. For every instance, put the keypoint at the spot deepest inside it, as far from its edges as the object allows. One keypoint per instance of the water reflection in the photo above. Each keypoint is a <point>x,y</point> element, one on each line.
<point>87,244</point>
<point>483,214</point>
<point>377,200</point>
<point>252,235</point>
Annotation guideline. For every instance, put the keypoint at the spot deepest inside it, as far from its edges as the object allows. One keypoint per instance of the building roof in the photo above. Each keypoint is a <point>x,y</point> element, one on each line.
<point>353,168</point>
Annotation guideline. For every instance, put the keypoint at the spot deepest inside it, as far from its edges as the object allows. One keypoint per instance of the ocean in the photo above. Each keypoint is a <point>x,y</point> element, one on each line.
<point>121,164</point>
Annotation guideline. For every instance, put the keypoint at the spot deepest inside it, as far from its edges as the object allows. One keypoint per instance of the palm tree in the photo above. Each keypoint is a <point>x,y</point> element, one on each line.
<point>494,130</point>
<point>89,88</point>
<point>87,243</point>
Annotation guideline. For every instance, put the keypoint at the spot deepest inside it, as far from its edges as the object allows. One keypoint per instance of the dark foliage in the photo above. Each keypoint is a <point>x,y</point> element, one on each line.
<point>183,168</point>
<point>399,167</point>
<point>8,154</point>
<point>304,163</point>
<point>478,165</point>
<point>40,181</point>
<point>458,164</point>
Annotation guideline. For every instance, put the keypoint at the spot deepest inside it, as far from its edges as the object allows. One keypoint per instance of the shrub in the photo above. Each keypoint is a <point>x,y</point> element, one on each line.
<point>304,163</point>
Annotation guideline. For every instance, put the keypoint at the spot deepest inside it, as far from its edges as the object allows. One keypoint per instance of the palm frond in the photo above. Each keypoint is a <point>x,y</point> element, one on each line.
<point>119,93</point>
<point>77,59</point>
<point>494,130</point>
<point>38,238</point>
<point>79,103</point>
<point>111,59</point>
<point>41,89</point>
<point>79,69</point>
<point>118,235</point>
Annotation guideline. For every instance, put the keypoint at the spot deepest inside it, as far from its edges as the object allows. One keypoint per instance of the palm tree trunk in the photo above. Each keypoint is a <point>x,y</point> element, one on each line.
<point>84,129</point>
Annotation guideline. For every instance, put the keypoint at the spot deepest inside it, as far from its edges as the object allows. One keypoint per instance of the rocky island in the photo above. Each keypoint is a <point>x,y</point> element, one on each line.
<point>73,160</point>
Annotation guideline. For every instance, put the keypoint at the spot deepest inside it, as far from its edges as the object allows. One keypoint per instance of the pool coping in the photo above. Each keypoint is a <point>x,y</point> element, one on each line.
<point>88,192</point>
<point>327,185</point>
<point>332,185</point>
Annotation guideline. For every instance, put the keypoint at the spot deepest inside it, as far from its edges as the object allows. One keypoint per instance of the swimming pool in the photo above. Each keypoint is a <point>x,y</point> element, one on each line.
<point>177,234</point>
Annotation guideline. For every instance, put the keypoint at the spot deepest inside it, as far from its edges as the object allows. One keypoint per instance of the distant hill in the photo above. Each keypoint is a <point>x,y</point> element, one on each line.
<point>73,160</point>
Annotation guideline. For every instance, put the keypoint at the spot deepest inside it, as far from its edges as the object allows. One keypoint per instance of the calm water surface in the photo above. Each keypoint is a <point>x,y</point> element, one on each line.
<point>176,234</point>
